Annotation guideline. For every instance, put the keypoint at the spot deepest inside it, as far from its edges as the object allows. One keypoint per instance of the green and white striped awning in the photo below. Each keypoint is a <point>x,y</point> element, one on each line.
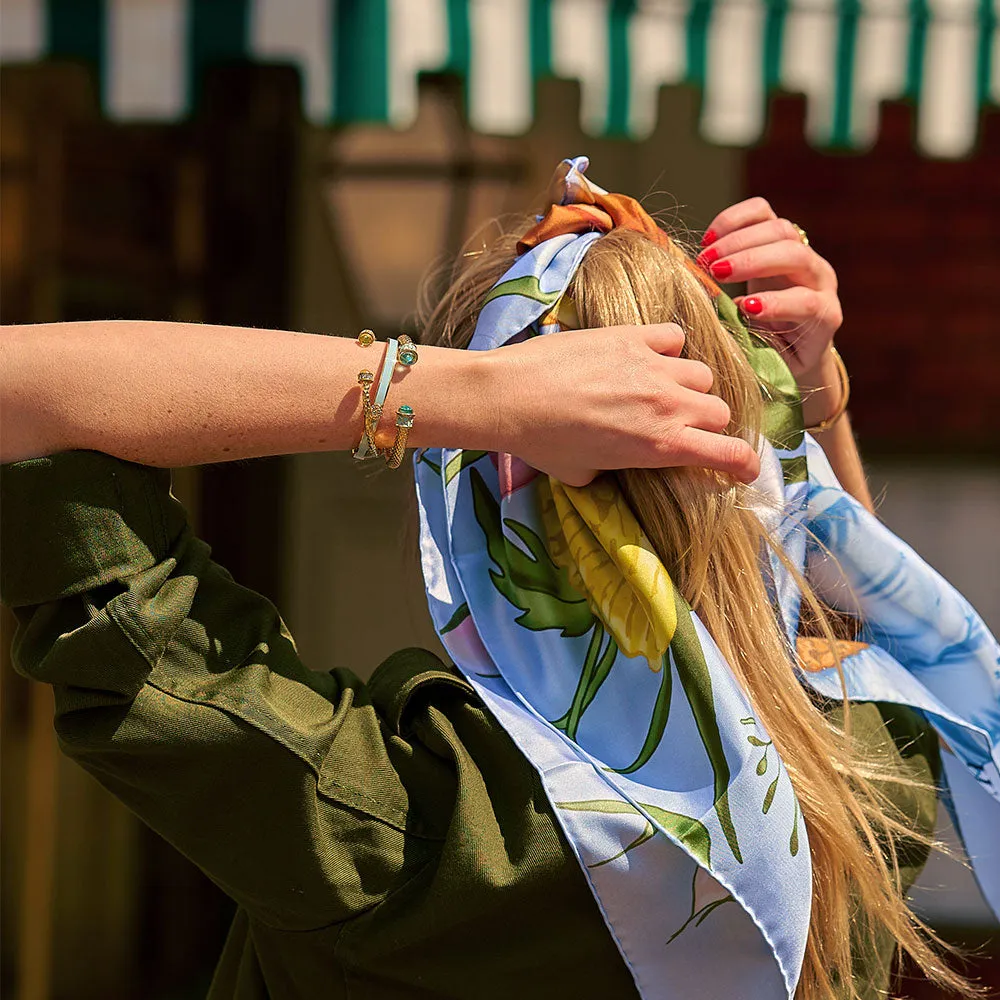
<point>360,59</point>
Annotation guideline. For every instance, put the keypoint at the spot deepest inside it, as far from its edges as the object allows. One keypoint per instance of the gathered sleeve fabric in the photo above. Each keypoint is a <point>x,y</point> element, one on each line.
<point>182,692</point>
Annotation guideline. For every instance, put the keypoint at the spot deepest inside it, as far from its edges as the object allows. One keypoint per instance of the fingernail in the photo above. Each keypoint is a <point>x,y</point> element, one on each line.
<point>752,305</point>
<point>706,257</point>
<point>709,237</point>
<point>721,269</point>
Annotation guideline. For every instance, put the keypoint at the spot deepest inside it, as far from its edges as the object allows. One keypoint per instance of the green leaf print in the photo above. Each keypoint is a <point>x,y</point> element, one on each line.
<point>461,613</point>
<point>657,722</point>
<point>772,788</point>
<point>531,582</point>
<point>692,833</point>
<point>769,794</point>
<point>692,671</point>
<point>793,842</point>
<point>594,673</point>
<point>527,286</point>
<point>461,461</point>
<point>699,913</point>
<point>647,833</point>
<point>422,457</point>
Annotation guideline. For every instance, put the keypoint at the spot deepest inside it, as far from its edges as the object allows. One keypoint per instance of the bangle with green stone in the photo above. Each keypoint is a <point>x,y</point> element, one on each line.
<point>404,421</point>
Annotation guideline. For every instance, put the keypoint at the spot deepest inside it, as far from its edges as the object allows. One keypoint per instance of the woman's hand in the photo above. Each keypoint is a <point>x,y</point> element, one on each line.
<point>611,399</point>
<point>175,394</point>
<point>792,291</point>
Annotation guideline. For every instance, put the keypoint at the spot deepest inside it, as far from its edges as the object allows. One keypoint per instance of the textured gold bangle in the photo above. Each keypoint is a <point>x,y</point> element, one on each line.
<point>404,421</point>
<point>372,414</point>
<point>365,379</point>
<point>845,390</point>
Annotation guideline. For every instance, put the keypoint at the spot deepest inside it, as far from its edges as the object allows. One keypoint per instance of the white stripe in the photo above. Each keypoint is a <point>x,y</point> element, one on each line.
<point>500,86</point>
<point>733,106</point>
<point>147,59</point>
<point>808,63</point>
<point>22,30</point>
<point>580,52</point>
<point>657,42</point>
<point>299,32</point>
<point>418,40</point>
<point>880,64</point>
<point>948,116</point>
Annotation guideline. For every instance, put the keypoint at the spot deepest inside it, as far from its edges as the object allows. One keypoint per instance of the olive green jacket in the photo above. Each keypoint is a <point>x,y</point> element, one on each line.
<point>382,840</point>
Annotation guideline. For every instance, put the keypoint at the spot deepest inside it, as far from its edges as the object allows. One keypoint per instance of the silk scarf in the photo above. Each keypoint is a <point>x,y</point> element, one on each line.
<point>555,606</point>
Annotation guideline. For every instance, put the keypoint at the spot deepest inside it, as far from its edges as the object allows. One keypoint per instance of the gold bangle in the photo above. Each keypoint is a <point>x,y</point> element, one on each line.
<point>845,387</point>
<point>404,421</point>
<point>371,416</point>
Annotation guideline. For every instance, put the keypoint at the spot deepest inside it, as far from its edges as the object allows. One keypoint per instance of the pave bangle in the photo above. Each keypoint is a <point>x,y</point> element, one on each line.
<point>373,407</point>
<point>845,395</point>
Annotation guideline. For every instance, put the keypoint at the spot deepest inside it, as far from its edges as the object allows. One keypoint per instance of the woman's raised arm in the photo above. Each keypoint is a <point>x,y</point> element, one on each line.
<point>176,394</point>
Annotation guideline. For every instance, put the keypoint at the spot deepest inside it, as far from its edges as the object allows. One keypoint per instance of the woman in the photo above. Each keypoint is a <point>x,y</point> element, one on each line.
<point>382,840</point>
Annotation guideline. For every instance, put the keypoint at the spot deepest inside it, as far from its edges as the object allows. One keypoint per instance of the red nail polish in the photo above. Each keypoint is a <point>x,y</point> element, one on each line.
<point>752,305</point>
<point>721,269</point>
<point>707,257</point>
<point>709,238</point>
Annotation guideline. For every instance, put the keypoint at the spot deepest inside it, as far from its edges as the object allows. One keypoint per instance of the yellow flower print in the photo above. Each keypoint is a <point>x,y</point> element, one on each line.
<point>592,533</point>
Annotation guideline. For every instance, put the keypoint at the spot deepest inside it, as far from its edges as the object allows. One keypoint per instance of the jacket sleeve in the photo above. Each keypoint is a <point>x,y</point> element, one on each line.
<point>183,693</point>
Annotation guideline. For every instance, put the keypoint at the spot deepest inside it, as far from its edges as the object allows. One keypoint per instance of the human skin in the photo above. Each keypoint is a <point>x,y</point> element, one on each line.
<point>796,306</point>
<point>176,394</point>
<point>569,406</point>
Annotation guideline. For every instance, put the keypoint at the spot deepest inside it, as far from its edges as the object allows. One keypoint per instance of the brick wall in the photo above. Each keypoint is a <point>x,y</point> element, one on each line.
<point>916,243</point>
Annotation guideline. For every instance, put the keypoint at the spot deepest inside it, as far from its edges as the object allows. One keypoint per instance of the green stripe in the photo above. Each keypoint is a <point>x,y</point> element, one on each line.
<point>919,16</point>
<point>459,38</point>
<point>540,28</point>
<point>619,15</point>
<point>217,33</point>
<point>774,38</point>
<point>75,30</point>
<point>698,20</point>
<point>843,98</point>
<point>984,63</point>
<point>361,42</point>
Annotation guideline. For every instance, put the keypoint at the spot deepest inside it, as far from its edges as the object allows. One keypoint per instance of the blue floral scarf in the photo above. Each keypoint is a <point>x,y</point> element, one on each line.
<point>669,791</point>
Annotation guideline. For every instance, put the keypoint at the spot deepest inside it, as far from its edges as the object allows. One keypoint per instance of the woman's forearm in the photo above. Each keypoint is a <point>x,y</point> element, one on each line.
<point>175,394</point>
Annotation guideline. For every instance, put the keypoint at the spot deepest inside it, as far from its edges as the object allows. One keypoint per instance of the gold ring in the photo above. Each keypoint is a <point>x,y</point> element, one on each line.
<point>802,233</point>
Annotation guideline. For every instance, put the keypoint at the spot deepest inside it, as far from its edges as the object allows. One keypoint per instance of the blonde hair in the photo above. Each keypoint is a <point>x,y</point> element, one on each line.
<point>708,537</point>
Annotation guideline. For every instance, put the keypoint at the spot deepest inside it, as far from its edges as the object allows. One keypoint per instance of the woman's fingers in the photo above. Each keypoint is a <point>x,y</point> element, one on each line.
<point>738,216</point>
<point>664,338</point>
<point>758,234</point>
<point>788,259</point>
<point>690,374</point>
<point>709,413</point>
<point>730,455</point>
<point>601,399</point>
<point>798,306</point>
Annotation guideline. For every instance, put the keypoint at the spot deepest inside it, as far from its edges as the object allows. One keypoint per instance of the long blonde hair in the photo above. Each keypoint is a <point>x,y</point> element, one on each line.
<point>706,534</point>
